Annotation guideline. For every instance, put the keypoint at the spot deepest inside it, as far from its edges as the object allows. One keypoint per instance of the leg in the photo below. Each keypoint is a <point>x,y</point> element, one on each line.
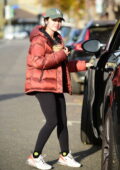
<point>48,106</point>
<point>62,130</point>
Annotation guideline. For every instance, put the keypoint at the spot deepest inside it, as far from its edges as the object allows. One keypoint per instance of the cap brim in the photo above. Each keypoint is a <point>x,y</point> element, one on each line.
<point>55,17</point>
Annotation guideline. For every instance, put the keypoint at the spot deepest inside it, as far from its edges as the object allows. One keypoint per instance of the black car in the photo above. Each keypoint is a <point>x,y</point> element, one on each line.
<point>94,29</point>
<point>100,117</point>
<point>99,30</point>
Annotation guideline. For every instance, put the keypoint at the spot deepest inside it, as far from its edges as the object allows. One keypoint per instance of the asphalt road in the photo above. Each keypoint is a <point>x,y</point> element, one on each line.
<point>21,117</point>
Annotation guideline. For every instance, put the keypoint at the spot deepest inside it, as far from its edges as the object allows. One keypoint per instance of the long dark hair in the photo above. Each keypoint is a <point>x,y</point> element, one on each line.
<point>57,39</point>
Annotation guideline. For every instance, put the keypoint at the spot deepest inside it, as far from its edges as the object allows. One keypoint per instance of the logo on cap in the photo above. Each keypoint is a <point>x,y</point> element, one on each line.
<point>57,11</point>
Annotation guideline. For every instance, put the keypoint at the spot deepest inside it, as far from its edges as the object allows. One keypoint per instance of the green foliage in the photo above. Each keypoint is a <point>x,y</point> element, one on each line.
<point>66,5</point>
<point>48,3</point>
<point>1,14</point>
<point>79,7</point>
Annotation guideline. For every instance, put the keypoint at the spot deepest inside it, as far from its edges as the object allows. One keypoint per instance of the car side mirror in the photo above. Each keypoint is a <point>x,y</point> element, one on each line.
<point>92,46</point>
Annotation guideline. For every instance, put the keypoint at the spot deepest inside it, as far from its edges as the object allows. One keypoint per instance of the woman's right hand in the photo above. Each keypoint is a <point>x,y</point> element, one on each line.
<point>57,47</point>
<point>89,65</point>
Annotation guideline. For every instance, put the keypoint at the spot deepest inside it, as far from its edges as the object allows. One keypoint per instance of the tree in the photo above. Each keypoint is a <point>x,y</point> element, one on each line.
<point>67,6</point>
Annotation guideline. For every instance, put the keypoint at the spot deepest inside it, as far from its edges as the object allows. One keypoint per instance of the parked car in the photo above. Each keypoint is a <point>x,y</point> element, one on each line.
<point>73,36</point>
<point>15,32</point>
<point>100,117</point>
<point>99,30</point>
<point>8,32</point>
<point>64,31</point>
<point>20,32</point>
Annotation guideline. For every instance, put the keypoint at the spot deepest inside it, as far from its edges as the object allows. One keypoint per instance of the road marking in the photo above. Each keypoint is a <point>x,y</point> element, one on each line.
<point>69,122</point>
<point>74,104</point>
<point>72,122</point>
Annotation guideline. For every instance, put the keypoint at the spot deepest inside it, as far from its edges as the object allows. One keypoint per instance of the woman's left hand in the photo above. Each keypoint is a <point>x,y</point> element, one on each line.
<point>67,52</point>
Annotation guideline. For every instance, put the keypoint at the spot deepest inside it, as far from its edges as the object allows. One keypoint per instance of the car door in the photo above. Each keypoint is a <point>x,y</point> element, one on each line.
<point>111,105</point>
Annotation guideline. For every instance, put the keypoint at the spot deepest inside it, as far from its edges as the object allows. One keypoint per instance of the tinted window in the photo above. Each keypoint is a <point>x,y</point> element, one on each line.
<point>65,31</point>
<point>101,33</point>
<point>116,44</point>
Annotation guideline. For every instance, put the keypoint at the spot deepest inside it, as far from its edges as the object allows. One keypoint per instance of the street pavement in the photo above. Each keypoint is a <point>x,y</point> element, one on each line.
<point>21,117</point>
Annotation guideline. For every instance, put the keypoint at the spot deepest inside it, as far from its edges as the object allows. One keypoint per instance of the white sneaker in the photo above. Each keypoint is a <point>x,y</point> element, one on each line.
<point>38,162</point>
<point>68,161</point>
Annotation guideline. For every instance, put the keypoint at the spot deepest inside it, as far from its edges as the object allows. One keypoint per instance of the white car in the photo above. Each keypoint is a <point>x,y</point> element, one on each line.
<point>9,32</point>
<point>15,32</point>
<point>20,35</point>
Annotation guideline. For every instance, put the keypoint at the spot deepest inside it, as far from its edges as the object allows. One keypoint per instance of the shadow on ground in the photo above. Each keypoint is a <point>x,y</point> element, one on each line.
<point>81,155</point>
<point>10,96</point>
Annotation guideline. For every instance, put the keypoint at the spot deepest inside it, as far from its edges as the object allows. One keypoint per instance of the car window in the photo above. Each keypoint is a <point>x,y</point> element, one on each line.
<point>116,45</point>
<point>65,31</point>
<point>101,33</point>
<point>73,36</point>
<point>74,33</point>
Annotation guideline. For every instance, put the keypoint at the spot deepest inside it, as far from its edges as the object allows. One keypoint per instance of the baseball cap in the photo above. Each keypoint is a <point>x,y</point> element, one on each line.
<point>54,13</point>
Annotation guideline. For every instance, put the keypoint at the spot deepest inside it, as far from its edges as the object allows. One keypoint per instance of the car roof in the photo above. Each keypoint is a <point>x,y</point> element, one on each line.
<point>101,23</point>
<point>113,35</point>
<point>93,24</point>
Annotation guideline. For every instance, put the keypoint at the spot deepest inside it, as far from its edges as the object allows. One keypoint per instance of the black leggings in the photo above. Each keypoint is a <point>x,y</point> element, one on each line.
<point>54,109</point>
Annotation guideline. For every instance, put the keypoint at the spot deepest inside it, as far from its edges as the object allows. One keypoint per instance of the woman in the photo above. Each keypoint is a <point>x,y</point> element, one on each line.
<point>47,77</point>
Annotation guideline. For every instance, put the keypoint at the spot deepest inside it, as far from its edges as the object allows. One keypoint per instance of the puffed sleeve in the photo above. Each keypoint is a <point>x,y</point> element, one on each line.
<point>76,66</point>
<point>38,57</point>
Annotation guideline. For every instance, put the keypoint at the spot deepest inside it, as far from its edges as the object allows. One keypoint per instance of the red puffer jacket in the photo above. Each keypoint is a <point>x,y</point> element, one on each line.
<point>47,70</point>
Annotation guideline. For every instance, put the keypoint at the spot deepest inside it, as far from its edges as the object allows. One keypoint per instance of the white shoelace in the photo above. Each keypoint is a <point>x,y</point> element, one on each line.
<point>42,158</point>
<point>70,156</point>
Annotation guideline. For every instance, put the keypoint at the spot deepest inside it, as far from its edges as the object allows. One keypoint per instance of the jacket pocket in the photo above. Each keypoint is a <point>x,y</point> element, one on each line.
<point>50,74</point>
<point>49,79</point>
<point>37,75</point>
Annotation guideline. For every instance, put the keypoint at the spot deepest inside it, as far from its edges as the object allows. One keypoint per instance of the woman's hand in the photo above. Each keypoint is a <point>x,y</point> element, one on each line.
<point>67,52</point>
<point>89,65</point>
<point>91,62</point>
<point>57,47</point>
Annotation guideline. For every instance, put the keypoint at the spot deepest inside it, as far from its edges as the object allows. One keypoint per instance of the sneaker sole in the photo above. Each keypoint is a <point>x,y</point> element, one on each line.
<point>32,165</point>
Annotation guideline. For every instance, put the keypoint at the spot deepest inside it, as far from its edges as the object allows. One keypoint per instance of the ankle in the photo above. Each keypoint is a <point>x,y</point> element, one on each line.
<point>36,154</point>
<point>64,153</point>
